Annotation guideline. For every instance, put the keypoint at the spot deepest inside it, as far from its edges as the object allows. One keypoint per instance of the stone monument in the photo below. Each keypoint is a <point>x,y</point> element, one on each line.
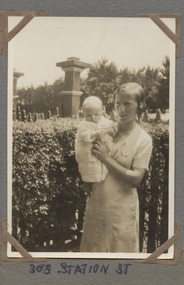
<point>71,93</point>
<point>16,75</point>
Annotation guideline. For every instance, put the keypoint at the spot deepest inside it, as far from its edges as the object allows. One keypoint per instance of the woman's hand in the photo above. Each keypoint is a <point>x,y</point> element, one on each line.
<point>131,176</point>
<point>100,149</point>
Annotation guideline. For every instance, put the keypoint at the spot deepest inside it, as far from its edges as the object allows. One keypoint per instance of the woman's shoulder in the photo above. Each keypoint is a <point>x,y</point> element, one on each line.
<point>142,134</point>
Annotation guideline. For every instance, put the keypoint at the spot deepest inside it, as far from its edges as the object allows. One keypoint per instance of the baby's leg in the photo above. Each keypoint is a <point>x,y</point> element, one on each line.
<point>87,188</point>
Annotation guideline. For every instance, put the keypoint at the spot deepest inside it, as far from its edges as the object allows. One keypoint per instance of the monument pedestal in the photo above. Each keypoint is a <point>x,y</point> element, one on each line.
<point>71,93</point>
<point>71,102</point>
<point>16,76</point>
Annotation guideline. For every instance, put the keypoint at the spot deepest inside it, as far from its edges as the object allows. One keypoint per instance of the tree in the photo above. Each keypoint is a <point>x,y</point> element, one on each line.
<point>101,82</point>
<point>42,98</point>
<point>150,83</point>
<point>163,93</point>
<point>148,78</point>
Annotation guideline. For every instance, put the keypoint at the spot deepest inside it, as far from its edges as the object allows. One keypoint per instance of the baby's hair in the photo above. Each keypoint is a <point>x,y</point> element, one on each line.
<point>92,100</point>
<point>133,88</point>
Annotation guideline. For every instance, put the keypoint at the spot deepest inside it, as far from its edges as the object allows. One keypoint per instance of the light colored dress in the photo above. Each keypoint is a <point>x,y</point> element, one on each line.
<point>112,213</point>
<point>90,168</point>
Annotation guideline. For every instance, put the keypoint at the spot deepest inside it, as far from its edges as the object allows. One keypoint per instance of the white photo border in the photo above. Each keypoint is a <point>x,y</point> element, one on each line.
<point>77,255</point>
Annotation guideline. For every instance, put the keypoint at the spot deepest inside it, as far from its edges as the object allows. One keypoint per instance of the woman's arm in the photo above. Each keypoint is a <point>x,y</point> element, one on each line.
<point>131,176</point>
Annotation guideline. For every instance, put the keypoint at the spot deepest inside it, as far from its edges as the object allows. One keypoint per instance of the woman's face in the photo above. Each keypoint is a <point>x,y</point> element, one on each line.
<point>126,107</point>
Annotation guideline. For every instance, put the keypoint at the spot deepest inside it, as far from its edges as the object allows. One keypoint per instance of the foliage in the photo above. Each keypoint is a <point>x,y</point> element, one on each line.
<point>163,94</point>
<point>148,78</point>
<point>102,81</point>
<point>42,98</point>
<point>104,78</point>
<point>46,192</point>
<point>153,191</point>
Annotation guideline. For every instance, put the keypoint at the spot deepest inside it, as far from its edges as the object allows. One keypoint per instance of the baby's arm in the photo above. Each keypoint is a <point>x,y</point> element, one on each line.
<point>98,133</point>
<point>86,134</point>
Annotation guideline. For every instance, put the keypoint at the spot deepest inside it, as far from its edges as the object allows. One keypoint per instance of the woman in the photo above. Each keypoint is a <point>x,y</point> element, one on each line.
<point>112,213</point>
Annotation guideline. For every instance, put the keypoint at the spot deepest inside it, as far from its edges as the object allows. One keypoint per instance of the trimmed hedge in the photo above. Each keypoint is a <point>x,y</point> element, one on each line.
<point>153,191</point>
<point>46,193</point>
<point>48,205</point>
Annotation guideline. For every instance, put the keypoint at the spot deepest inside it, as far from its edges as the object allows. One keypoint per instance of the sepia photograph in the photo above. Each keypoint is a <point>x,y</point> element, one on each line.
<point>91,137</point>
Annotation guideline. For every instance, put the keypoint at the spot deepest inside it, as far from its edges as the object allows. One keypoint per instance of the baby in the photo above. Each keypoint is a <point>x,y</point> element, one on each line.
<point>94,126</point>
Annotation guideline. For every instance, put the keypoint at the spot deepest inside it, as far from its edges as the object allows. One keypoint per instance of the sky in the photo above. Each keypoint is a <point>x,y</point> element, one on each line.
<point>45,41</point>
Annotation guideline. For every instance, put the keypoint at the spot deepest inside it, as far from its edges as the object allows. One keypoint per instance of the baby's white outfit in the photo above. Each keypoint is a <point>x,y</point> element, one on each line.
<point>91,169</point>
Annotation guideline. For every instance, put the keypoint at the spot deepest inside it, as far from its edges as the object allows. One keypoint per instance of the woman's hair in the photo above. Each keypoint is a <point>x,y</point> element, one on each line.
<point>133,88</point>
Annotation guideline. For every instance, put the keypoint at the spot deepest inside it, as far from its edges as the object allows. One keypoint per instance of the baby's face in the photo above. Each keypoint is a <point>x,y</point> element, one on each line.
<point>93,113</point>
